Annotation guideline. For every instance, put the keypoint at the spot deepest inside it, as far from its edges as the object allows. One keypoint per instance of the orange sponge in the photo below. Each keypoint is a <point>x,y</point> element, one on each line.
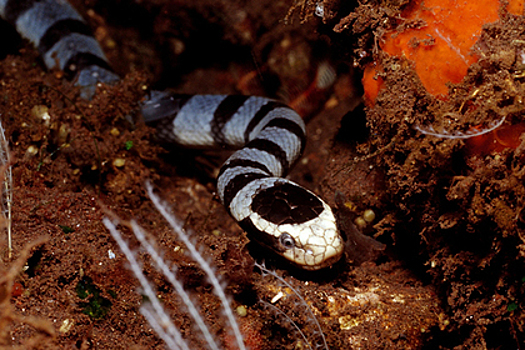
<point>440,48</point>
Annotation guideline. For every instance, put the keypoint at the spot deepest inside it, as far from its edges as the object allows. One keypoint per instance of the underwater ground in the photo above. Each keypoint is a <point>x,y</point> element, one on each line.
<point>442,172</point>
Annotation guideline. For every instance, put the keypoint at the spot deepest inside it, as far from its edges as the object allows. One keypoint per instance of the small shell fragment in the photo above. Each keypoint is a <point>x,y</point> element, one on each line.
<point>277,297</point>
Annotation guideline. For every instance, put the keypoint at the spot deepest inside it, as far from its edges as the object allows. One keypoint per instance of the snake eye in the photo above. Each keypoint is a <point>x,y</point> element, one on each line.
<point>286,241</point>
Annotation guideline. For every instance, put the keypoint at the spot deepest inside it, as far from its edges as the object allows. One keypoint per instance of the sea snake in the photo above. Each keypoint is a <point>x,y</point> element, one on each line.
<point>275,212</point>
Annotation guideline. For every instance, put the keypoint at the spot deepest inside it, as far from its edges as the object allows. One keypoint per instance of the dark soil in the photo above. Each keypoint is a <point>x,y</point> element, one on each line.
<point>451,276</point>
<point>450,210</point>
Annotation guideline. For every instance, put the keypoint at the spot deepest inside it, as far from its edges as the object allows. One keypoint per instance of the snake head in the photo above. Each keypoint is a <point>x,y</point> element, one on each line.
<point>291,221</point>
<point>314,245</point>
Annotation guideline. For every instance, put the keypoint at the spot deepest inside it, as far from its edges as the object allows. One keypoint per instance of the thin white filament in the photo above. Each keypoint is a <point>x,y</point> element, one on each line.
<point>203,264</point>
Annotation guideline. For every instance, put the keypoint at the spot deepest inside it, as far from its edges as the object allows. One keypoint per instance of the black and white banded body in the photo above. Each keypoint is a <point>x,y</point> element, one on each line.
<point>275,212</point>
<point>63,39</point>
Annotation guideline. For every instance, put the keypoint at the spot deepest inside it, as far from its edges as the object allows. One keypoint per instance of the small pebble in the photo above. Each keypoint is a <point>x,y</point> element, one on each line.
<point>66,325</point>
<point>31,151</point>
<point>41,112</point>
<point>369,215</point>
<point>119,162</point>
<point>319,9</point>
<point>177,46</point>
<point>63,133</point>
<point>17,289</point>
<point>360,222</point>
<point>110,43</point>
<point>241,310</point>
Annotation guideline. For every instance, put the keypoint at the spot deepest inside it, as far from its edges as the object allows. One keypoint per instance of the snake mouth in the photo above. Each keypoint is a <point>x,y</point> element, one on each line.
<point>315,257</point>
<point>326,263</point>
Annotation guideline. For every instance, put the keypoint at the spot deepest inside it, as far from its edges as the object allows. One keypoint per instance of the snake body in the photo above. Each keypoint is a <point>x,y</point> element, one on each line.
<point>63,39</point>
<point>275,212</point>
